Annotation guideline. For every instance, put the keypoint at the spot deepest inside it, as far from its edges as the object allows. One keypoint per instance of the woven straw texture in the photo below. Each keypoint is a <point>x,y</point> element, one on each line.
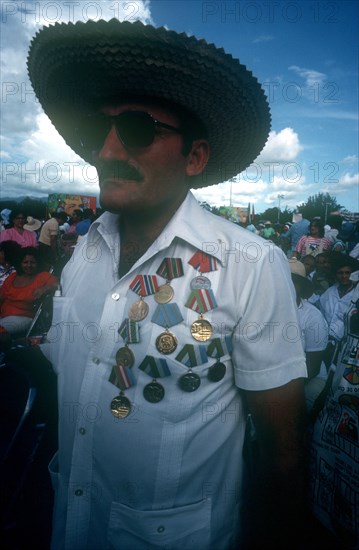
<point>73,67</point>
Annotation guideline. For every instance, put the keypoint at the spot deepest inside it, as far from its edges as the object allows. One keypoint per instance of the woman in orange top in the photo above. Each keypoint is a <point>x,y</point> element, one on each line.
<point>20,291</point>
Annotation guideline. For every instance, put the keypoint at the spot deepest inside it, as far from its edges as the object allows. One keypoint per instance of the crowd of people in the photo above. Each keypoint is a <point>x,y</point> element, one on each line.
<point>32,256</point>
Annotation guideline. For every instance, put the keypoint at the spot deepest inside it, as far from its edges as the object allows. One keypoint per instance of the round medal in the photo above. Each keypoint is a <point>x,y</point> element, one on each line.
<point>200,282</point>
<point>164,294</point>
<point>216,372</point>
<point>120,406</point>
<point>166,342</point>
<point>189,382</point>
<point>153,392</point>
<point>201,330</point>
<point>138,311</point>
<point>125,357</point>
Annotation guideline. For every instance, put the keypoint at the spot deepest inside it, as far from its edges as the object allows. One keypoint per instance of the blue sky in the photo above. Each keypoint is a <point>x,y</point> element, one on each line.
<point>305,54</point>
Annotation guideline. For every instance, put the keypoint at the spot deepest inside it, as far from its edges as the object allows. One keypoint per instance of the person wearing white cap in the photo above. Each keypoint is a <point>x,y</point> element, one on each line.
<point>172,321</point>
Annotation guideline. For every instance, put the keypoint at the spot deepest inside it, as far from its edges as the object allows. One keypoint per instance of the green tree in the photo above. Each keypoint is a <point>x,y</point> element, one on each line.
<point>271,215</point>
<point>321,204</point>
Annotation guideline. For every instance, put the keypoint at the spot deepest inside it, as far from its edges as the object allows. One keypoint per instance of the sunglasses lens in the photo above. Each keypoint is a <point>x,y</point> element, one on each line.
<point>135,128</point>
<point>92,131</point>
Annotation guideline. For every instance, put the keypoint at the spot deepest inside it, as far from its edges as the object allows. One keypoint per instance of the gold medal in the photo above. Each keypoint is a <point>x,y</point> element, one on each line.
<point>125,357</point>
<point>201,330</point>
<point>138,311</point>
<point>120,406</point>
<point>164,294</point>
<point>166,342</point>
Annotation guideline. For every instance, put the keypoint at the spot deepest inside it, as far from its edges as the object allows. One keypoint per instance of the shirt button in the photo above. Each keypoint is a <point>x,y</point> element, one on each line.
<point>160,529</point>
<point>79,492</point>
<point>115,296</point>
<point>82,431</point>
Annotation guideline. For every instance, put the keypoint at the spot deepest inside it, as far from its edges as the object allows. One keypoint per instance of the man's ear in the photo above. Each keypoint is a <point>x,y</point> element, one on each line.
<point>197,157</point>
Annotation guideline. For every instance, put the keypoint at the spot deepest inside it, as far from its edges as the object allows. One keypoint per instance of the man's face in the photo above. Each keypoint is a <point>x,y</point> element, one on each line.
<point>72,204</point>
<point>136,180</point>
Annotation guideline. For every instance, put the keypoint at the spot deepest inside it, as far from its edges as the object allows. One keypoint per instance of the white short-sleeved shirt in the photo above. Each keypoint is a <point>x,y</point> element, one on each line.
<point>48,230</point>
<point>168,475</point>
<point>314,327</point>
<point>333,308</point>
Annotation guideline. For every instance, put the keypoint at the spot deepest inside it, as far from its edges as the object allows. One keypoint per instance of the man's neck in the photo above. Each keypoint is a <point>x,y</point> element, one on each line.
<point>139,231</point>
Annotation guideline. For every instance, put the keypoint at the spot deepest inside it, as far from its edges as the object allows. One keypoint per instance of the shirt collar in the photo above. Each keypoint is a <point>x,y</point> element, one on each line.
<point>191,223</point>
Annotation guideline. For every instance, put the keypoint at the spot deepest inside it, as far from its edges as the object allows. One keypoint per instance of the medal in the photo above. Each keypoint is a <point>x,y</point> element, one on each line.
<point>189,382</point>
<point>216,372</point>
<point>143,285</point>
<point>138,311</point>
<point>125,357</point>
<point>166,342</point>
<point>164,294</point>
<point>201,300</point>
<point>170,268</point>
<point>153,392</point>
<point>120,406</point>
<point>201,330</point>
<point>200,282</point>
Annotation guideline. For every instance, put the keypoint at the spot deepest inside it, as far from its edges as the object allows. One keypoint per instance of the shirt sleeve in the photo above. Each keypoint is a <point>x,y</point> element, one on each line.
<point>315,332</point>
<point>267,345</point>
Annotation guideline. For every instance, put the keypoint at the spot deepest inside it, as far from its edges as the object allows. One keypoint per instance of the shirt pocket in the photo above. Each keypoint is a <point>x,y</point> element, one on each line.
<point>185,527</point>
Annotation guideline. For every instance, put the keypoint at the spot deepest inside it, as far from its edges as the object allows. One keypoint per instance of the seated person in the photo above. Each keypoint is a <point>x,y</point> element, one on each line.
<point>8,253</point>
<point>19,293</point>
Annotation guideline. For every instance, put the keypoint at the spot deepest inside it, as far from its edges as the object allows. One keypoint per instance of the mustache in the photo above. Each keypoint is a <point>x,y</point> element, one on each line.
<point>114,169</point>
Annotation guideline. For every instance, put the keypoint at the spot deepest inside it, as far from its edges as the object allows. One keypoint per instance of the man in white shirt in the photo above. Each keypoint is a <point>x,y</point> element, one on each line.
<point>173,322</point>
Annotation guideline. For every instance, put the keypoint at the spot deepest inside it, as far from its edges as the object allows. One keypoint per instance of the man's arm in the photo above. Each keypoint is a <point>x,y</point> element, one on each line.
<point>313,360</point>
<point>279,487</point>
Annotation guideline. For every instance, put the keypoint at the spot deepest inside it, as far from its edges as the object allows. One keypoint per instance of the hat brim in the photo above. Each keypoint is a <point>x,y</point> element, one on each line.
<point>32,227</point>
<point>74,67</point>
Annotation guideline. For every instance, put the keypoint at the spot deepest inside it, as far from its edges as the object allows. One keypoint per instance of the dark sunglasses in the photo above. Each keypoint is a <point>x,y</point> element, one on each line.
<point>134,129</point>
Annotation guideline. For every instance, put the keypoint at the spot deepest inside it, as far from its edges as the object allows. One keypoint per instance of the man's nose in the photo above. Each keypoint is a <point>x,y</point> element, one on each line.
<point>112,148</point>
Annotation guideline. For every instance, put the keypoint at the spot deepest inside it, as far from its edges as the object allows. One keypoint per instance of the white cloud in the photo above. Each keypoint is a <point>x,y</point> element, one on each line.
<point>349,180</point>
<point>283,146</point>
<point>351,159</point>
<point>310,76</point>
<point>263,38</point>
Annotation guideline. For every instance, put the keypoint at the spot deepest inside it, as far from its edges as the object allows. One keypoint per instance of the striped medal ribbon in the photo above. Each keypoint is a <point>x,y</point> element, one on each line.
<point>130,332</point>
<point>203,263</point>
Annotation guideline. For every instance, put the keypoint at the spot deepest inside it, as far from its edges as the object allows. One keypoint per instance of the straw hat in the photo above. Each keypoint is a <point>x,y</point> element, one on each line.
<point>32,224</point>
<point>74,67</point>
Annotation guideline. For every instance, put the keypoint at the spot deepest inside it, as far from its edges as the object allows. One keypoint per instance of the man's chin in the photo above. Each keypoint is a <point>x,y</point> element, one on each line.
<point>115,201</point>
